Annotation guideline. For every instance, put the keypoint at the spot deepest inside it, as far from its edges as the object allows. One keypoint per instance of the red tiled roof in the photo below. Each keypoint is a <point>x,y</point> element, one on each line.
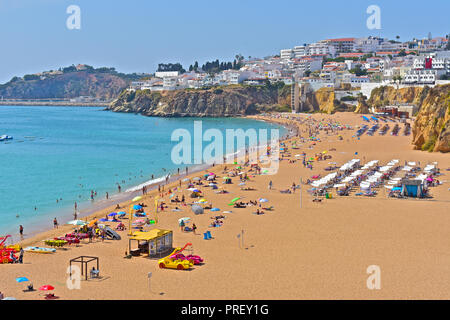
<point>341,39</point>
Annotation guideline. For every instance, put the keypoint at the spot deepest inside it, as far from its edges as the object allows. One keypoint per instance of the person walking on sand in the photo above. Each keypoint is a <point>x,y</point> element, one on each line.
<point>182,225</point>
<point>194,227</point>
<point>270,185</point>
<point>21,255</point>
<point>55,223</point>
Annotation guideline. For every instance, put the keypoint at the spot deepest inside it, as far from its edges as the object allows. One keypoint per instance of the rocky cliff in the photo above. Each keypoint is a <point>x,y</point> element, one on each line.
<point>322,100</point>
<point>431,130</point>
<point>362,106</point>
<point>387,95</point>
<point>213,102</point>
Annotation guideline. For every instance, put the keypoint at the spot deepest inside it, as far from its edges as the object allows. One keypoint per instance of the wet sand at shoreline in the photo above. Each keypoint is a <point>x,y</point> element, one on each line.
<point>316,251</point>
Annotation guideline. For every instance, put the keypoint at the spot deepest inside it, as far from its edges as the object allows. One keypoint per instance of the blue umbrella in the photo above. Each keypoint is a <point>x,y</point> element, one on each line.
<point>396,189</point>
<point>122,212</point>
<point>103,220</point>
<point>112,214</point>
<point>215,209</point>
<point>137,207</point>
<point>22,279</point>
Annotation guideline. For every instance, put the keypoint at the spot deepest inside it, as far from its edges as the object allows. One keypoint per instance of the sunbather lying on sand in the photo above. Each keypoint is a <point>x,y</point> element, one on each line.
<point>239,205</point>
<point>286,191</point>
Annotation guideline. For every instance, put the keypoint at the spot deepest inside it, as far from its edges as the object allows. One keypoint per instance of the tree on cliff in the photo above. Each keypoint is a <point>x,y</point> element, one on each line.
<point>171,67</point>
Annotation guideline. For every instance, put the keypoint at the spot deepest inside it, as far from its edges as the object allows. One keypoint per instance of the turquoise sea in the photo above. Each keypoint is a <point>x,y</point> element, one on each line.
<point>59,154</point>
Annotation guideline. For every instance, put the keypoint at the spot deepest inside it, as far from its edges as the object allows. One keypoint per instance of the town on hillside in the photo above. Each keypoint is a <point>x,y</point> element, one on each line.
<point>357,64</point>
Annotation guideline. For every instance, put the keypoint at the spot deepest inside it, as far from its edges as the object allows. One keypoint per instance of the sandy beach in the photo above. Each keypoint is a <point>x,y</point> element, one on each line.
<point>300,250</point>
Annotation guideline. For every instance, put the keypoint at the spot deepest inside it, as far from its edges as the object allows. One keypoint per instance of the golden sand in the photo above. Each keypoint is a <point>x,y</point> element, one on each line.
<point>316,251</point>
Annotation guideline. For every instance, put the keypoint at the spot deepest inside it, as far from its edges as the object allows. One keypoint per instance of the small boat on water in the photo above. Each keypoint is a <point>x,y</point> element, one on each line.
<point>39,250</point>
<point>5,137</point>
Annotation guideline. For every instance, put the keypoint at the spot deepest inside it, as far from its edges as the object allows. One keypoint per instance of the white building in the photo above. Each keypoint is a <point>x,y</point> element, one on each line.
<point>342,45</point>
<point>300,51</point>
<point>368,44</point>
<point>163,74</point>
<point>286,54</point>
<point>169,83</point>
<point>420,77</point>
<point>321,47</point>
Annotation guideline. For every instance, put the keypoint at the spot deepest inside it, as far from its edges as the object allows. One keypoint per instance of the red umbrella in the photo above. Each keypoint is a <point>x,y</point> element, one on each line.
<point>46,288</point>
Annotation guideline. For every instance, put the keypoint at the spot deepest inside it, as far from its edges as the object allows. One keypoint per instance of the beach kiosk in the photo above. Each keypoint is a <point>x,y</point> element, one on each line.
<point>154,242</point>
<point>412,188</point>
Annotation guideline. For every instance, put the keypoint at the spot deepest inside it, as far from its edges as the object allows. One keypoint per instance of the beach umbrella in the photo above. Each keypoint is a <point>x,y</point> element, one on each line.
<point>22,279</point>
<point>210,178</point>
<point>103,220</point>
<point>92,222</point>
<point>242,184</point>
<point>197,209</point>
<point>212,174</point>
<point>226,178</point>
<point>215,209</point>
<point>185,219</point>
<point>112,214</point>
<point>202,200</point>
<point>137,207</point>
<point>122,212</point>
<point>185,179</point>
<point>137,198</point>
<point>77,222</point>
<point>235,199</point>
<point>47,288</point>
<point>263,200</point>
<point>196,178</point>
<point>138,221</point>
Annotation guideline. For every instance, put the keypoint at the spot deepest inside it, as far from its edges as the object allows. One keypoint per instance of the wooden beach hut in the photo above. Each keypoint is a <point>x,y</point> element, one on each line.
<point>154,242</point>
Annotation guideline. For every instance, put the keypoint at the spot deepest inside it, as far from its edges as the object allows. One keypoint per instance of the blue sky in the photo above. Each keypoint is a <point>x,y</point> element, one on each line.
<point>136,35</point>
